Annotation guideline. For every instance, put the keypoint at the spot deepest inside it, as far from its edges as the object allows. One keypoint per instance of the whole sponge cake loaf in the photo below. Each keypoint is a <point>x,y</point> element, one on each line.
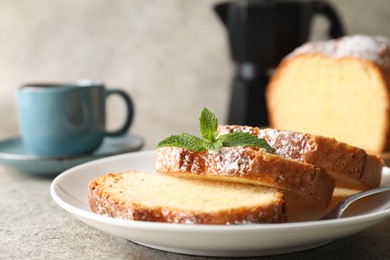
<point>300,180</point>
<point>350,166</point>
<point>337,88</point>
<point>154,197</point>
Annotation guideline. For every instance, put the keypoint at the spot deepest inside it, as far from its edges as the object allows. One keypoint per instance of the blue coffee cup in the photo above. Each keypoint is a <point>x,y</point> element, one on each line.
<point>67,119</point>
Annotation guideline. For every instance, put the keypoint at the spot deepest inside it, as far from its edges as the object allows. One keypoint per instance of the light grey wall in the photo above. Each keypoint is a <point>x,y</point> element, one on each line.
<point>170,55</point>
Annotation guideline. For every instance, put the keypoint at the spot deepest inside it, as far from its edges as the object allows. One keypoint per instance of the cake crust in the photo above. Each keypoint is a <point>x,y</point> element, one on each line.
<point>374,49</point>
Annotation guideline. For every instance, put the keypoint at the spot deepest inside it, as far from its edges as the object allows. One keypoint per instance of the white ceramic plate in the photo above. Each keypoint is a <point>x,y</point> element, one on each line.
<point>69,190</point>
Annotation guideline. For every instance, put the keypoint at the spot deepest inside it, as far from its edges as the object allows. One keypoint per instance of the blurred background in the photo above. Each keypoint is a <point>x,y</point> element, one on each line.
<point>171,56</point>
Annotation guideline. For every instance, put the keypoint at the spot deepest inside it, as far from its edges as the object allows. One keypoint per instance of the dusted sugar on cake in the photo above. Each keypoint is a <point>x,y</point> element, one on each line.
<point>337,88</point>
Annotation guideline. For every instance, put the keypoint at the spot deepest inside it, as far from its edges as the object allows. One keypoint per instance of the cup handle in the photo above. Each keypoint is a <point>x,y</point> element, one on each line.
<point>336,26</point>
<point>130,111</point>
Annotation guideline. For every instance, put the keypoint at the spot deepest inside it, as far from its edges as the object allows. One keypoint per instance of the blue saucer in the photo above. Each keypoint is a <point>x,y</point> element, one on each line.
<point>14,155</point>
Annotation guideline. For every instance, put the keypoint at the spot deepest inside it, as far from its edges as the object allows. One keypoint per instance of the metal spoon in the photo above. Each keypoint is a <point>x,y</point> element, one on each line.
<point>338,211</point>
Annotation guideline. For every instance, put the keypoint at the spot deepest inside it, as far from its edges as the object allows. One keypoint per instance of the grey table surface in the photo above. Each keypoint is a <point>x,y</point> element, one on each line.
<point>32,226</point>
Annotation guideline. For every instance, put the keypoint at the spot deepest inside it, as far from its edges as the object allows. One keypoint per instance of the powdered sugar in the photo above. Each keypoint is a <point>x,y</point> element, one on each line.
<point>288,144</point>
<point>373,48</point>
<point>292,145</point>
<point>230,161</point>
<point>225,129</point>
<point>233,161</point>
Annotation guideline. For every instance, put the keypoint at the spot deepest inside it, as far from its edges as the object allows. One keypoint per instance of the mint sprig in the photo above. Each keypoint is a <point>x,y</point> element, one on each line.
<point>208,124</point>
<point>184,140</point>
<point>211,139</point>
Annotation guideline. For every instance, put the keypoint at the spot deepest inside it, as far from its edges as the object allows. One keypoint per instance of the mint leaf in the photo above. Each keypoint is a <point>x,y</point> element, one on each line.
<point>244,139</point>
<point>214,146</point>
<point>208,124</point>
<point>183,140</point>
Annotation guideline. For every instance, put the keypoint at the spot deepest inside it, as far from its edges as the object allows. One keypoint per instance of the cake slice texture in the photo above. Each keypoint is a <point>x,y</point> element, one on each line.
<point>337,88</point>
<point>143,196</point>
<point>350,166</point>
<point>251,166</point>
